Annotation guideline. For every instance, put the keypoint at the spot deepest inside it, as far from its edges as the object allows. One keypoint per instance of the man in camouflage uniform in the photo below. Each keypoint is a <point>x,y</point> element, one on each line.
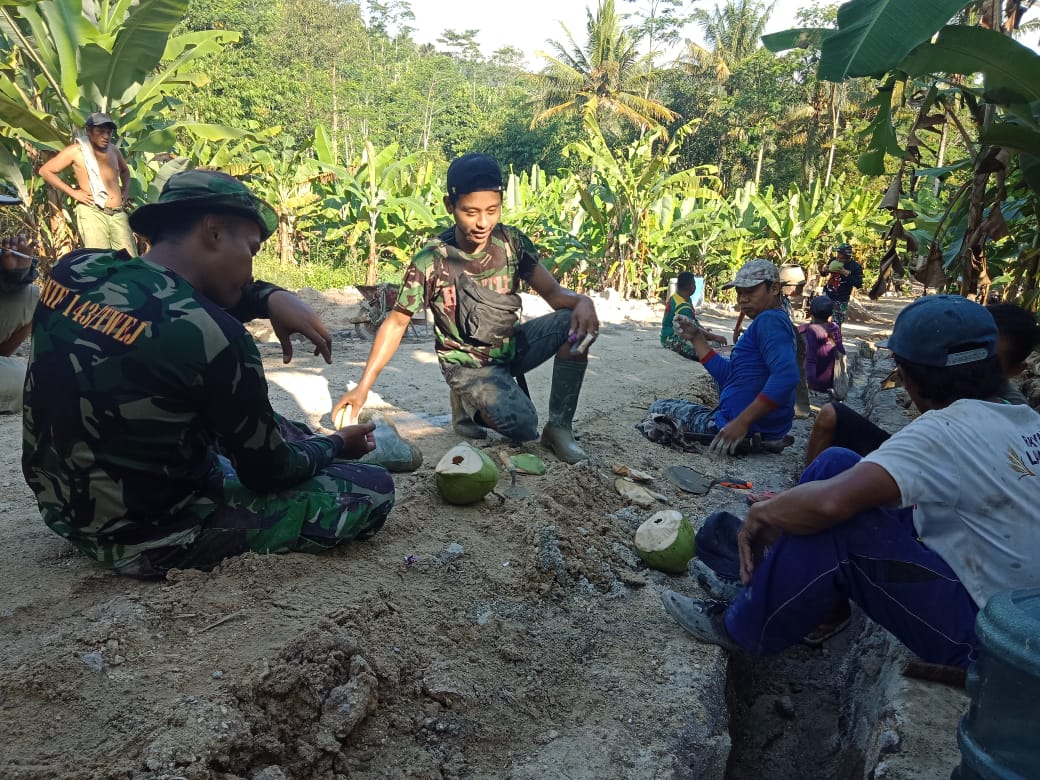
<point>469,277</point>
<point>149,439</point>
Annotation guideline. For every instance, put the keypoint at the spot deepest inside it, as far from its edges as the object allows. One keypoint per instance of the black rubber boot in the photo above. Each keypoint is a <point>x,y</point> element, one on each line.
<point>563,400</point>
<point>462,422</point>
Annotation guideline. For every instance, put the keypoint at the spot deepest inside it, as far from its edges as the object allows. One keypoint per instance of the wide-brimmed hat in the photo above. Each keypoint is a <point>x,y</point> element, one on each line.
<point>943,330</point>
<point>194,191</point>
<point>754,273</point>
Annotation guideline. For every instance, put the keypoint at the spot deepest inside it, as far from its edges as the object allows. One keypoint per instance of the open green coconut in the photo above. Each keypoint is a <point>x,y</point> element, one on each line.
<point>465,475</point>
<point>666,542</point>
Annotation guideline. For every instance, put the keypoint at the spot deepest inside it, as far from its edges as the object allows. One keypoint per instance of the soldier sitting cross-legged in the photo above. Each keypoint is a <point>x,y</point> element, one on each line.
<point>149,439</point>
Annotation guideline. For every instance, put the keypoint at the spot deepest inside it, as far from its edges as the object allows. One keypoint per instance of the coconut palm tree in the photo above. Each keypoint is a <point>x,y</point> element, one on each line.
<point>605,77</point>
<point>731,34</point>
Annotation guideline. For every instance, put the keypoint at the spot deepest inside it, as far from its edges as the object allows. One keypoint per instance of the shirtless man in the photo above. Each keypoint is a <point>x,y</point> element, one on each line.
<point>100,209</point>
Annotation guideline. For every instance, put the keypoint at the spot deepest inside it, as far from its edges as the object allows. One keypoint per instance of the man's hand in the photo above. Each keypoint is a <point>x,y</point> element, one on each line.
<point>752,539</point>
<point>715,338</point>
<point>83,196</point>
<point>727,440</point>
<point>289,315</point>
<point>584,320</point>
<point>20,243</point>
<point>355,399</point>
<point>358,440</point>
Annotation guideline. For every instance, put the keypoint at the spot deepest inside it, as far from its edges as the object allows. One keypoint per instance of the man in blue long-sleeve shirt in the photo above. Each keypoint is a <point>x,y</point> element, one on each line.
<point>758,380</point>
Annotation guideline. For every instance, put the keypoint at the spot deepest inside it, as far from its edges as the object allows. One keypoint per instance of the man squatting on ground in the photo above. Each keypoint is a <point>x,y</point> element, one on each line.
<point>18,296</point>
<point>469,277</point>
<point>921,532</point>
<point>103,185</point>
<point>149,439</point>
<point>837,425</point>
<point>758,380</point>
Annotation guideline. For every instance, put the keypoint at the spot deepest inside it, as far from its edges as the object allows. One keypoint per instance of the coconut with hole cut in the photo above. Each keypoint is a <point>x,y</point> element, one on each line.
<point>666,542</point>
<point>465,475</point>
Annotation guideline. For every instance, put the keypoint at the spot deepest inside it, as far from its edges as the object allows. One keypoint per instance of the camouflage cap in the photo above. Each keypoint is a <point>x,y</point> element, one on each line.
<point>754,273</point>
<point>203,191</point>
<point>844,249</point>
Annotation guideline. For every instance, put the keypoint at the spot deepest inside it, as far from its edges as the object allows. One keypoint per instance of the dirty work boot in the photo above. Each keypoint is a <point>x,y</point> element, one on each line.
<point>563,400</point>
<point>462,422</point>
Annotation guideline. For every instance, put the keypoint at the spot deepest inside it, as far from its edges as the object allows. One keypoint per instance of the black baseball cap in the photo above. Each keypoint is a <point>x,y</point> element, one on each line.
<point>100,119</point>
<point>474,172</point>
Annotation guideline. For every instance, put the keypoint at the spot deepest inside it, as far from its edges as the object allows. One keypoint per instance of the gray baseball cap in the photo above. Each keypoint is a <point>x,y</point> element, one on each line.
<point>943,330</point>
<point>754,273</point>
<point>100,119</point>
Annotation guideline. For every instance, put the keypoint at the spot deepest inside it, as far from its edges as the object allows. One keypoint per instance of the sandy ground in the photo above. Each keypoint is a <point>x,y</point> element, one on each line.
<point>539,651</point>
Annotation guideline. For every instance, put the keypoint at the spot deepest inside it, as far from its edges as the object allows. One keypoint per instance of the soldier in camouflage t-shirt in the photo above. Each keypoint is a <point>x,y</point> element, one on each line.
<point>469,278</point>
<point>149,439</point>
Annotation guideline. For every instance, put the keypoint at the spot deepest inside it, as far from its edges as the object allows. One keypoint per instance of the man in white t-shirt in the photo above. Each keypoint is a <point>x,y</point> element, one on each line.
<point>921,532</point>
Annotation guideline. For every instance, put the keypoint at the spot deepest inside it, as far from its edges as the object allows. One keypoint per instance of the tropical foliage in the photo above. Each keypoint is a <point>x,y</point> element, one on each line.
<point>60,60</point>
<point>879,124</point>
<point>956,66</point>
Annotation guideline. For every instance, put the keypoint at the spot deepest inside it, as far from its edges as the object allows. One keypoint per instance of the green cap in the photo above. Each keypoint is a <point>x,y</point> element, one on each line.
<point>203,191</point>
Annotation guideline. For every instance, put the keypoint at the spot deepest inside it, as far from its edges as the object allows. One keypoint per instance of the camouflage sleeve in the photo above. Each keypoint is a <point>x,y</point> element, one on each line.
<point>240,413</point>
<point>253,303</point>
<point>527,259</point>
<point>414,287</point>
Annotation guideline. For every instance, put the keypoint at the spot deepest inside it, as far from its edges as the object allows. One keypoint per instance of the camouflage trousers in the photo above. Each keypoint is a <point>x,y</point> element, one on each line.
<point>680,346</point>
<point>841,308</point>
<point>344,501</point>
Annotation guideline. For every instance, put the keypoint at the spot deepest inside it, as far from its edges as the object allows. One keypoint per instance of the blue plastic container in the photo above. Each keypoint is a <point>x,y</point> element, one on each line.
<point>999,737</point>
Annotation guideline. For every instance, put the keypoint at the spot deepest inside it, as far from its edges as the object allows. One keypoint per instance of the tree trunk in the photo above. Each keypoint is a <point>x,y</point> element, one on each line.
<point>941,157</point>
<point>285,253</point>
<point>373,256</point>
<point>835,119</point>
<point>335,116</point>
<point>758,163</point>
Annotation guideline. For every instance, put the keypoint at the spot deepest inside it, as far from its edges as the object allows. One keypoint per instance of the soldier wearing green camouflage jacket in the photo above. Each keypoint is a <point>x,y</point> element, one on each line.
<point>149,439</point>
<point>469,277</point>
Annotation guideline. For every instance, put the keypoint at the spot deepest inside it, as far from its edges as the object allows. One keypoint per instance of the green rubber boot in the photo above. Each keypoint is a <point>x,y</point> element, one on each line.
<point>563,400</point>
<point>462,422</point>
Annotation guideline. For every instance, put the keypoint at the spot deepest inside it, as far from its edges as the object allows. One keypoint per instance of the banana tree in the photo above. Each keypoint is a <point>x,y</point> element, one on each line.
<point>624,187</point>
<point>66,58</point>
<point>62,59</point>
<point>907,43</point>
<point>386,201</point>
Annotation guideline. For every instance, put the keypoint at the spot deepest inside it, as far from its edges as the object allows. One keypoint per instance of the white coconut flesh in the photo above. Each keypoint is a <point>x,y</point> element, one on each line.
<point>461,460</point>
<point>659,532</point>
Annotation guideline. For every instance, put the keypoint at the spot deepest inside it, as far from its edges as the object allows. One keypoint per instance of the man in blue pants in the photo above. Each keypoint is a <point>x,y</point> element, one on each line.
<point>921,532</point>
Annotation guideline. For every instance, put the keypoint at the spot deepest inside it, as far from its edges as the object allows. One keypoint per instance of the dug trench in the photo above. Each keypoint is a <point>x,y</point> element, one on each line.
<point>516,638</point>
